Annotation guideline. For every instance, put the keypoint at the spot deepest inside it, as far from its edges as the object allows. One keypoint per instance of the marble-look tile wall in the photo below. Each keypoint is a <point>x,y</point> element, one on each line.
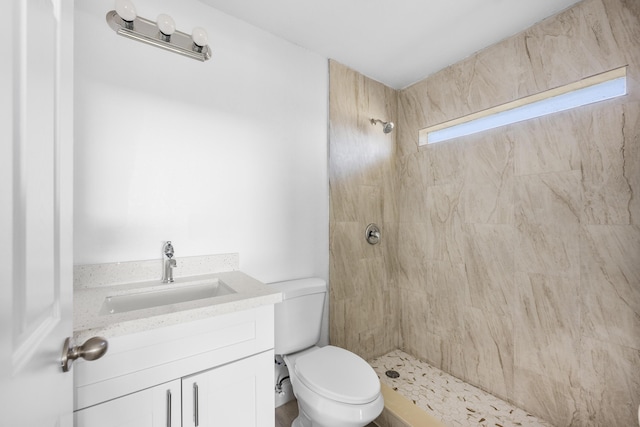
<point>361,178</point>
<point>518,249</point>
<point>511,258</point>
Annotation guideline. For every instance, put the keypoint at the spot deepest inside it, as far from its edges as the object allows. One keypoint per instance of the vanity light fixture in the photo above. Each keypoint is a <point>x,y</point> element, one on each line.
<point>200,38</point>
<point>166,25</point>
<point>125,21</point>
<point>127,11</point>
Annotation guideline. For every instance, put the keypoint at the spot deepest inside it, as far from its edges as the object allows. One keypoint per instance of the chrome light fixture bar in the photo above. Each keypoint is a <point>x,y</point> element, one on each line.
<point>146,31</point>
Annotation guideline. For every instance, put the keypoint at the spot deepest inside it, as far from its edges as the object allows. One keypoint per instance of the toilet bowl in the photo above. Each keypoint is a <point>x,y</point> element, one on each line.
<point>334,387</point>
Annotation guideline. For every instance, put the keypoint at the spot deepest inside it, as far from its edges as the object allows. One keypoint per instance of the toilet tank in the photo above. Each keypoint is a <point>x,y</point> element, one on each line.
<point>298,318</point>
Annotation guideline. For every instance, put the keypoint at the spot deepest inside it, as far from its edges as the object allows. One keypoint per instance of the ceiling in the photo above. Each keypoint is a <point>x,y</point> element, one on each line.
<point>397,42</point>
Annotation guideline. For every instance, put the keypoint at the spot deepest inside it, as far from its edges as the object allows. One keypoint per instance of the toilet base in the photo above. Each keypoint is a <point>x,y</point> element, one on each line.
<point>304,420</point>
<point>297,423</point>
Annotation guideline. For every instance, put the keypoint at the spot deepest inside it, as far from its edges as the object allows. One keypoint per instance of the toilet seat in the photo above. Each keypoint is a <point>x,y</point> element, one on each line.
<point>339,375</point>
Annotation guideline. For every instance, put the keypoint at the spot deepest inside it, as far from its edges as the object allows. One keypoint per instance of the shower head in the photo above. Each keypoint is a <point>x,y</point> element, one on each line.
<point>387,127</point>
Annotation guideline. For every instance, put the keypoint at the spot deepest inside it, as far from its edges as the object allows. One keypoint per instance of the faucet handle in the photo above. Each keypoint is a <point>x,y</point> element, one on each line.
<point>168,249</point>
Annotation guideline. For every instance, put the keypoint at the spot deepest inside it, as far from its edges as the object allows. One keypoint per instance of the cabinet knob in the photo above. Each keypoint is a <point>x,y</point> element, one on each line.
<point>92,349</point>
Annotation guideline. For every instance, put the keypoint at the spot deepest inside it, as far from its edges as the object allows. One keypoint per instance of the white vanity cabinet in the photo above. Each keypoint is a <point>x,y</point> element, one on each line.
<point>230,395</point>
<point>227,359</point>
<point>159,406</point>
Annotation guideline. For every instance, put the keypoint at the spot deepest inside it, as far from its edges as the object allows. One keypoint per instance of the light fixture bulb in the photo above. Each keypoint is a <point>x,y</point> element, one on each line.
<point>200,37</point>
<point>126,10</point>
<point>166,24</point>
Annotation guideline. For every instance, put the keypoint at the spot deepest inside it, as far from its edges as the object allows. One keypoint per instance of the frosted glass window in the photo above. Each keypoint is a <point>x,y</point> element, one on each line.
<point>593,89</point>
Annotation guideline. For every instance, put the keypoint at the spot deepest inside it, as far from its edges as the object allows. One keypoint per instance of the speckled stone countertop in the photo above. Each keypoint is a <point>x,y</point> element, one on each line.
<point>88,301</point>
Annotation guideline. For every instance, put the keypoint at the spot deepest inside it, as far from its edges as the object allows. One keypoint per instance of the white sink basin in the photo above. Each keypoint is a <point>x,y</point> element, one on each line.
<point>164,295</point>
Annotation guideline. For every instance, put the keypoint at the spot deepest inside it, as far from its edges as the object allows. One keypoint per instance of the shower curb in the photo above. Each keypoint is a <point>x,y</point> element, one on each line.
<point>401,412</point>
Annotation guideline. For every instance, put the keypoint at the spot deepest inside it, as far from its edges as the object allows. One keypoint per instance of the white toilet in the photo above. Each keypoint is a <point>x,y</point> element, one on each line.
<point>334,387</point>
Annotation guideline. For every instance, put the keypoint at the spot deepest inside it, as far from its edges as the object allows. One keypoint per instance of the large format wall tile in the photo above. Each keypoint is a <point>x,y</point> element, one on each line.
<point>610,384</point>
<point>549,198</point>
<point>549,398</point>
<point>541,145</point>
<point>412,114</point>
<point>361,324</point>
<point>610,283</point>
<point>488,184</point>
<point>488,351</point>
<point>444,163</point>
<point>542,215</point>
<point>631,135</point>
<point>547,224</point>
<point>411,263</point>
<point>548,248</point>
<point>411,197</point>
<point>576,44</point>
<point>446,288</point>
<point>607,189</point>
<point>414,324</point>
<point>488,87</point>
<point>356,203</point>
<point>624,19</point>
<point>546,326</point>
<point>488,263</point>
<point>362,186</point>
<point>337,321</point>
<point>445,93</point>
<point>510,257</point>
<point>445,223</point>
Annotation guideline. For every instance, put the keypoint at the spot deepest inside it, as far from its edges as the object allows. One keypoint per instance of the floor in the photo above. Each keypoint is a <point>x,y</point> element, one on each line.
<point>286,413</point>
<point>450,400</point>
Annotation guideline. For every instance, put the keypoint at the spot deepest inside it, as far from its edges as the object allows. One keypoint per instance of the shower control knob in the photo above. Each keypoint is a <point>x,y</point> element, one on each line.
<point>372,234</point>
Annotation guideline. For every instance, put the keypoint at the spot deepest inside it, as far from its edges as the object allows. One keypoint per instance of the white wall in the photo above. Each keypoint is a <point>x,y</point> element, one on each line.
<point>229,155</point>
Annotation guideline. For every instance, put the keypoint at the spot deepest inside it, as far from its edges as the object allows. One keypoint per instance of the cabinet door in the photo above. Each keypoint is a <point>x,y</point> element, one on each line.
<point>239,394</point>
<point>158,406</point>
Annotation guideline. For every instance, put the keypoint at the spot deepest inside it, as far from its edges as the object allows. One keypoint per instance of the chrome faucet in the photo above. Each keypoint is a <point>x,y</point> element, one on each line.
<point>169,263</point>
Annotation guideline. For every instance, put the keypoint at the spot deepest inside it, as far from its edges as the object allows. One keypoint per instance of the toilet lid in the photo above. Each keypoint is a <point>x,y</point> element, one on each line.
<point>339,375</point>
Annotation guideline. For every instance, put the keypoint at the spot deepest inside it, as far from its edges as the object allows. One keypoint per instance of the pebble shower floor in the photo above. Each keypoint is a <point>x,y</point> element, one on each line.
<point>450,400</point>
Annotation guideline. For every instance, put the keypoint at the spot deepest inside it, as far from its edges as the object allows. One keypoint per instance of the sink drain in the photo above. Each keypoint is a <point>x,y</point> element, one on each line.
<point>392,374</point>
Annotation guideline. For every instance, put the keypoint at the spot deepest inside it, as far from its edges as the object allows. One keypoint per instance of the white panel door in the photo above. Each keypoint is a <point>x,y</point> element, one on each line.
<point>36,183</point>
<point>239,394</point>
<point>158,406</point>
